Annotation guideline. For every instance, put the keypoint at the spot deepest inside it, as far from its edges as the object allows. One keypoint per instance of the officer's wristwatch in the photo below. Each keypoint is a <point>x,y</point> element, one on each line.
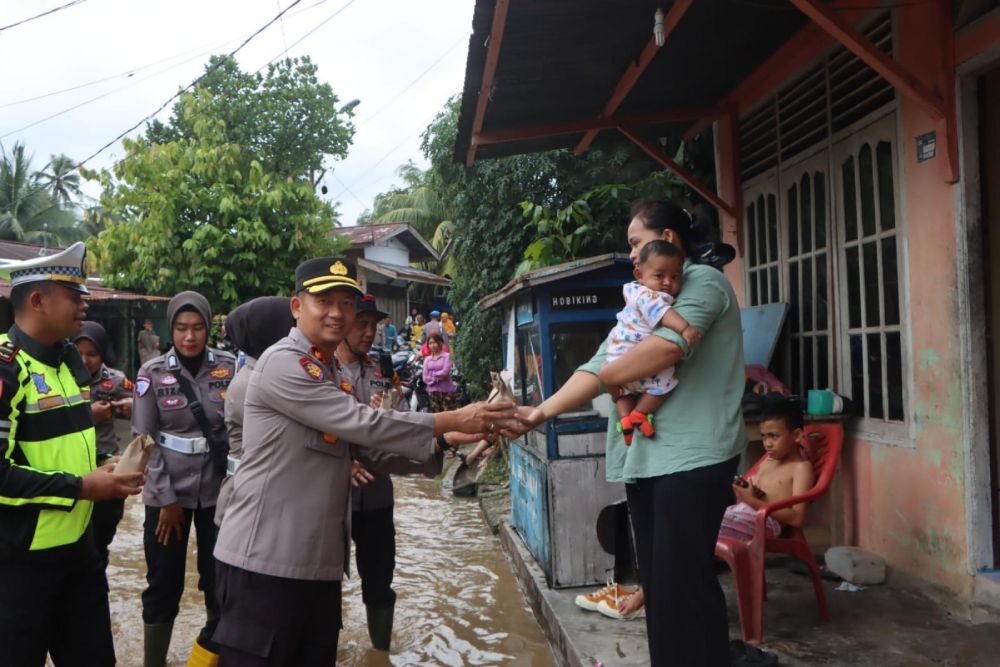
<point>443,443</point>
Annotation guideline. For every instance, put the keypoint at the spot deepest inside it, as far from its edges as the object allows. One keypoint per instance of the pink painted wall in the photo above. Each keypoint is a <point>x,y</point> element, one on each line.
<point>907,503</point>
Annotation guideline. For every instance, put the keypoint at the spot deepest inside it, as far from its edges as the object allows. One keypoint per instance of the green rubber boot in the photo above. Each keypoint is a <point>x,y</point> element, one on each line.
<point>380,626</point>
<point>155,643</point>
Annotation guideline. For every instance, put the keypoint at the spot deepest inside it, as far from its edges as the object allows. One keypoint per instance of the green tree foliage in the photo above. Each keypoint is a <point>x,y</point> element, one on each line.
<point>285,118</point>
<point>29,211</point>
<point>198,212</point>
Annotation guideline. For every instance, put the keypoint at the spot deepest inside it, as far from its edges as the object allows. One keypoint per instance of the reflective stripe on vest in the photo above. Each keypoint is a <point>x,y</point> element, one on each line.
<point>51,426</point>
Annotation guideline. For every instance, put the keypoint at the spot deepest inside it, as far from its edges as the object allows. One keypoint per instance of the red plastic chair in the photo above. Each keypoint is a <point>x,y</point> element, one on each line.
<point>822,444</point>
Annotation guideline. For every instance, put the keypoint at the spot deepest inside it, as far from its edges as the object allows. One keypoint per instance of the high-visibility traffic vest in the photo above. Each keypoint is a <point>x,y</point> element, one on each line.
<point>50,431</point>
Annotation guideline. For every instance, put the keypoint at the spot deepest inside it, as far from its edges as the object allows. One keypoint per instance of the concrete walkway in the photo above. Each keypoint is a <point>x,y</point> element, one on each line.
<point>879,626</point>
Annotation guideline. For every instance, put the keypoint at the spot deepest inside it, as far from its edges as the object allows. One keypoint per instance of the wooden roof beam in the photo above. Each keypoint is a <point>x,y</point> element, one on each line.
<point>596,124</point>
<point>634,72</point>
<point>857,43</point>
<point>489,72</point>
<point>654,152</point>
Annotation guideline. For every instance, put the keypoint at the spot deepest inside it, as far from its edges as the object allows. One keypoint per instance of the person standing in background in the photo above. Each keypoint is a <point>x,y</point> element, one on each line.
<point>149,342</point>
<point>110,397</point>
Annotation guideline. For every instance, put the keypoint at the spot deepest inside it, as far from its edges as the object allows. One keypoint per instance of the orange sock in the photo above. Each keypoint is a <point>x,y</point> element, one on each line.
<point>625,428</point>
<point>643,421</point>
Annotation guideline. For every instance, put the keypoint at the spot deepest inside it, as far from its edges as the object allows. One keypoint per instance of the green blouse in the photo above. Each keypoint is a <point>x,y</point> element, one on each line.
<point>701,422</point>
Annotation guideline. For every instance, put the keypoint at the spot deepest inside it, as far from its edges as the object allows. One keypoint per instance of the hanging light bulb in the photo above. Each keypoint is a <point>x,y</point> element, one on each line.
<point>658,27</point>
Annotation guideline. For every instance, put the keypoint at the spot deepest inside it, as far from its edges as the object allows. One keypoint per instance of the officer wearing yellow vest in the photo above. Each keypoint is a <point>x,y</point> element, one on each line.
<point>53,591</point>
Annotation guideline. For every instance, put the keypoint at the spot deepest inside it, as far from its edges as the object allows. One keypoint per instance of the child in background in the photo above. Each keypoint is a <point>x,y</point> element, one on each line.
<point>783,473</point>
<point>110,397</point>
<point>648,305</point>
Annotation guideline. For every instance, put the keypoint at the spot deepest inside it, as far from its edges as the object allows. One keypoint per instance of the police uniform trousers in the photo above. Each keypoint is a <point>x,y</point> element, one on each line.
<point>104,522</point>
<point>55,601</point>
<point>275,621</point>
<point>165,565</point>
<point>374,536</point>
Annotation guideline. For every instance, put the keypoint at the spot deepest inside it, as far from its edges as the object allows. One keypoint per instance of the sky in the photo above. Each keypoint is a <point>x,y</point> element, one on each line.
<point>402,59</point>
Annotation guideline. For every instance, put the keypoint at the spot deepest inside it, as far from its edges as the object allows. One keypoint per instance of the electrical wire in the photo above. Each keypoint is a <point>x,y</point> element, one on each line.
<point>303,37</point>
<point>414,82</point>
<point>192,84</point>
<point>38,16</point>
<point>127,73</point>
<point>197,56</point>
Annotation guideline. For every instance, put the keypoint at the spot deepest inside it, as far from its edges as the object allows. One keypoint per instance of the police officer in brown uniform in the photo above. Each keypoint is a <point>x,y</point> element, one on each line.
<point>252,327</point>
<point>110,397</point>
<point>372,526</point>
<point>283,542</point>
<point>179,399</point>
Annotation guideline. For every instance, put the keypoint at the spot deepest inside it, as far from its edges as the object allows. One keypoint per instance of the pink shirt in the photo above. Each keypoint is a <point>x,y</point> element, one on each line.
<point>437,374</point>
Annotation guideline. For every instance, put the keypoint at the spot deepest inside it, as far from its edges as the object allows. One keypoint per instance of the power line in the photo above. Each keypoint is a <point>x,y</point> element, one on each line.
<point>193,83</point>
<point>38,16</point>
<point>105,94</point>
<point>303,37</point>
<point>127,73</point>
<point>414,82</point>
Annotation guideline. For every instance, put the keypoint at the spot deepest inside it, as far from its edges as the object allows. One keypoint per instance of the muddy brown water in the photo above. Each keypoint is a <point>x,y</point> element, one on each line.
<point>459,603</point>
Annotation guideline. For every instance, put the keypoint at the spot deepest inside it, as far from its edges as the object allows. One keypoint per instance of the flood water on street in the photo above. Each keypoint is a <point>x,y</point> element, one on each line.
<point>459,603</point>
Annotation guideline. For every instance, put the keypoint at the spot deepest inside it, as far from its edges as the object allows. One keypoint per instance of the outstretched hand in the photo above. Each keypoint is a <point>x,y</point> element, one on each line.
<point>483,417</point>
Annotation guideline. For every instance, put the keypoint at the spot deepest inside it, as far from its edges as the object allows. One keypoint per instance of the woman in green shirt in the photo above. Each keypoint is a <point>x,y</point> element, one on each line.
<point>678,482</point>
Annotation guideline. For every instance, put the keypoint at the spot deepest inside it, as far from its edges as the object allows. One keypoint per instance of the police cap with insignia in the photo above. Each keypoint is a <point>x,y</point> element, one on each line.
<point>323,273</point>
<point>65,268</point>
<point>366,304</point>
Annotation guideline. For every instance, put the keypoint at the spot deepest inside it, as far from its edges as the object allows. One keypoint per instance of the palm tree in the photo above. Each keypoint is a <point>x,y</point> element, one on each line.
<point>27,211</point>
<point>60,179</point>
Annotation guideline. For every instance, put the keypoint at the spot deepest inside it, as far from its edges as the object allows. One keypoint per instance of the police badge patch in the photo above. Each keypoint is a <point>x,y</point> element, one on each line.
<point>312,369</point>
<point>40,384</point>
<point>141,386</point>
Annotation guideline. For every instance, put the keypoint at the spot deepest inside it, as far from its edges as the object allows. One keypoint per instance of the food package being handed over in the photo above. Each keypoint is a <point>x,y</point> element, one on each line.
<point>136,455</point>
<point>501,387</point>
<point>391,398</point>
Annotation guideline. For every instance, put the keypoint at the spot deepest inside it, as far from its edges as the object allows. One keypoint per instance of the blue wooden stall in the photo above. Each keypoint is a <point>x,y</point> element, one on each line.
<point>554,320</point>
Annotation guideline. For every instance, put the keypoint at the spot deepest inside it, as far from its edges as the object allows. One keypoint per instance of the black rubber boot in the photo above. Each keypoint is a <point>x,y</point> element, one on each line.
<point>380,626</point>
<point>155,643</point>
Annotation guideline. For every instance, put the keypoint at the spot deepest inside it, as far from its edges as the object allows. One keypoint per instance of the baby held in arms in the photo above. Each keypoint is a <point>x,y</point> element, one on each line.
<point>649,304</point>
<point>783,473</point>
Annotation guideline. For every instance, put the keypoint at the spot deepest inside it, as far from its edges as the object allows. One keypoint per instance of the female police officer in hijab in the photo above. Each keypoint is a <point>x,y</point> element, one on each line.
<point>179,398</point>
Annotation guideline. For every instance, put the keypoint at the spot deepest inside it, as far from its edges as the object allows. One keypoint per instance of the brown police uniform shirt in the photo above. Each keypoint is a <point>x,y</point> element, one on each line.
<point>288,515</point>
<point>160,406</point>
<point>367,380</point>
<point>108,385</point>
<point>235,397</point>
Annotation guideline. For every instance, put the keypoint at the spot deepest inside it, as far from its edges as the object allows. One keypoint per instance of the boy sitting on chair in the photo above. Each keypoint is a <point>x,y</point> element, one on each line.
<point>783,473</point>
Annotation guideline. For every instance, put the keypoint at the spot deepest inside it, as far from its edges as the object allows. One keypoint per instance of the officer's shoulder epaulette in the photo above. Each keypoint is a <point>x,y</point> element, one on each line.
<point>8,351</point>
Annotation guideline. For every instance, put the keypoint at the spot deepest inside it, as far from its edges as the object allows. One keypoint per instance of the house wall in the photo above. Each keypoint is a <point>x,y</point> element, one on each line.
<point>906,500</point>
<point>389,251</point>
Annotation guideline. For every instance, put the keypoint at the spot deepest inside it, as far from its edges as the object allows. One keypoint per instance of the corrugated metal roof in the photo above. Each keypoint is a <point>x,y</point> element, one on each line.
<point>97,293</point>
<point>367,235</point>
<point>549,274</point>
<point>19,251</point>
<point>561,59</point>
<point>407,273</point>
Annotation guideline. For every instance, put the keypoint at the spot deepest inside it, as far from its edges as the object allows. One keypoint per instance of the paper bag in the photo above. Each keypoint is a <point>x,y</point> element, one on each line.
<point>136,455</point>
<point>391,398</point>
<point>501,387</point>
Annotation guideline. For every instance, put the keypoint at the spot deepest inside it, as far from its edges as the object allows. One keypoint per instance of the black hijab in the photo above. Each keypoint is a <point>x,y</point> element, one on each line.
<point>260,323</point>
<point>96,334</point>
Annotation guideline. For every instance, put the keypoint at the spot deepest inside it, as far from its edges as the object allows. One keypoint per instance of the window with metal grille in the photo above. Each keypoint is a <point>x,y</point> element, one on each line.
<point>823,191</point>
<point>810,317</point>
<point>763,256</point>
<point>870,257</point>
